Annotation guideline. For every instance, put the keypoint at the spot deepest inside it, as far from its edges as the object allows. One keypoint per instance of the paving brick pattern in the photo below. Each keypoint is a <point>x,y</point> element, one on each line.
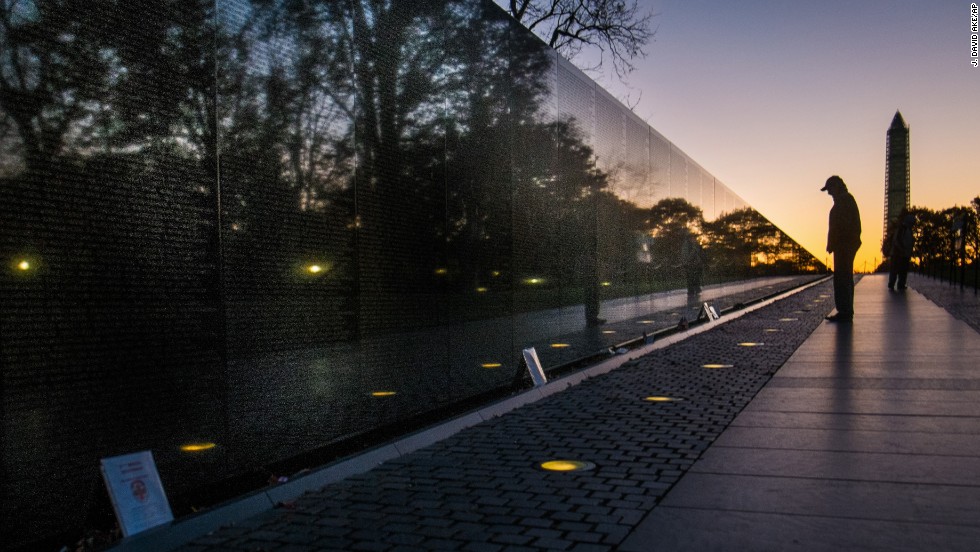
<point>483,489</point>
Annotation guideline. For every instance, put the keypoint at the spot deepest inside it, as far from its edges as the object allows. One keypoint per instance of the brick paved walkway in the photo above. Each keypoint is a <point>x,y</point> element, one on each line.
<point>866,439</point>
<point>483,489</point>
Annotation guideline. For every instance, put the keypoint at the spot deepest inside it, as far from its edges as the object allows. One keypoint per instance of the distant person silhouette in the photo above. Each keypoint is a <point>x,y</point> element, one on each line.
<point>902,243</point>
<point>843,240</point>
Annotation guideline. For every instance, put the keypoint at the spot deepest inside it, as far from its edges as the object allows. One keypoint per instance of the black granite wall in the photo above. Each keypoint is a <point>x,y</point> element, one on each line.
<point>233,222</point>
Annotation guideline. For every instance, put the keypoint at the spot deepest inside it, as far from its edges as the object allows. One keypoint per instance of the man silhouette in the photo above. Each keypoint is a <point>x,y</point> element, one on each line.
<point>843,240</point>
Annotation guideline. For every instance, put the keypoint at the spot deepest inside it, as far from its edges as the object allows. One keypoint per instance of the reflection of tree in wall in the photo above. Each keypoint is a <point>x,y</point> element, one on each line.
<point>744,242</point>
<point>668,222</point>
<point>107,188</point>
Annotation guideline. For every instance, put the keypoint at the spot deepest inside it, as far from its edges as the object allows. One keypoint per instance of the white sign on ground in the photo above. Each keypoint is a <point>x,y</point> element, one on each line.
<point>709,312</point>
<point>136,491</point>
<point>534,367</point>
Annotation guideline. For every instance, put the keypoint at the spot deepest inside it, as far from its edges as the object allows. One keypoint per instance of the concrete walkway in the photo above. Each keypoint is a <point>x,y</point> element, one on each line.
<point>868,438</point>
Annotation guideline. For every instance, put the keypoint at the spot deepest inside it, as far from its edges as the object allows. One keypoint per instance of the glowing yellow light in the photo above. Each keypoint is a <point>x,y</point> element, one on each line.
<point>314,269</point>
<point>772,330</point>
<point>481,290</point>
<point>661,399</point>
<point>646,321</point>
<point>559,345</point>
<point>534,281</point>
<point>788,319</point>
<point>197,447</point>
<point>750,344</point>
<point>608,331</point>
<point>566,465</point>
<point>441,271</point>
<point>606,284</point>
<point>491,365</point>
<point>383,393</point>
<point>24,265</point>
<point>495,273</point>
<point>717,366</point>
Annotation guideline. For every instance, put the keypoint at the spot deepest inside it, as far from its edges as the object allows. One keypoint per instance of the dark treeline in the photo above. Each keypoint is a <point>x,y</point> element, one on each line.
<point>943,236</point>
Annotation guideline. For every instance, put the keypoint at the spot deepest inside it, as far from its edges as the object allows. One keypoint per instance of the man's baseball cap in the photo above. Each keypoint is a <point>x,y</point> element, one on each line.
<point>833,180</point>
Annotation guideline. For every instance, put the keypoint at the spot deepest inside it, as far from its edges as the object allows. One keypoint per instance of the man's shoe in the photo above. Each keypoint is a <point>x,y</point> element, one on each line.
<point>839,319</point>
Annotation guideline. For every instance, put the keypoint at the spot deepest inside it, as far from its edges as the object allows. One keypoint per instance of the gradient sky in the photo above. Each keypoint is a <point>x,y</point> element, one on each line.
<point>772,97</point>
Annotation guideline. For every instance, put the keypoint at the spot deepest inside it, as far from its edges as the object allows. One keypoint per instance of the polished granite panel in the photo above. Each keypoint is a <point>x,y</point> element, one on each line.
<point>858,422</point>
<point>243,225</point>
<point>850,440</point>
<point>844,403</point>
<point>913,366</point>
<point>869,500</point>
<point>946,395</point>
<point>696,530</point>
<point>827,464</point>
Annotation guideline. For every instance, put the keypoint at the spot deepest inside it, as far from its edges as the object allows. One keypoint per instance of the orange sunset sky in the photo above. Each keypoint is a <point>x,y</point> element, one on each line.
<point>772,97</point>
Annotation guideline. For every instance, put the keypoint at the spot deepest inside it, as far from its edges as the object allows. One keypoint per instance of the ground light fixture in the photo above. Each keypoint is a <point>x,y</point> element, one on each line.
<point>197,447</point>
<point>566,465</point>
<point>383,393</point>
<point>560,345</point>
<point>717,366</point>
<point>750,344</point>
<point>788,319</point>
<point>662,399</point>
<point>772,330</point>
<point>24,265</point>
<point>491,365</point>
